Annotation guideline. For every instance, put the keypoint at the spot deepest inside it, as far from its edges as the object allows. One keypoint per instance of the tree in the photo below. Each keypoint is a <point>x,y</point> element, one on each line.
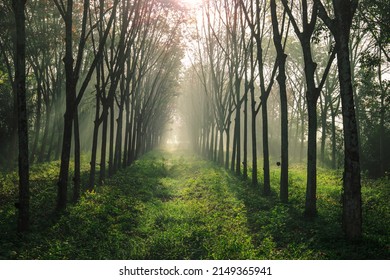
<point>9,110</point>
<point>340,26</point>
<point>72,72</point>
<point>216,69</point>
<point>281,78</point>
<point>44,53</point>
<point>375,15</point>
<point>371,25</point>
<point>256,15</point>
<point>20,90</point>
<point>312,94</point>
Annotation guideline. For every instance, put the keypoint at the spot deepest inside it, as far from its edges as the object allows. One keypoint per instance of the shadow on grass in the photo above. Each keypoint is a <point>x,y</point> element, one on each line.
<point>189,208</point>
<point>280,230</point>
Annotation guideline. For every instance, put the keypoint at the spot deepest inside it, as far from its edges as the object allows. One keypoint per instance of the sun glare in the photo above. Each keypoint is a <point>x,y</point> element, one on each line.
<point>191,3</point>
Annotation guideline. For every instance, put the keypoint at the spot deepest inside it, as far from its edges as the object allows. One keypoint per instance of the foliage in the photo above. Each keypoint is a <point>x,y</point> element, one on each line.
<point>6,116</point>
<point>375,14</point>
<point>374,102</point>
<point>179,206</point>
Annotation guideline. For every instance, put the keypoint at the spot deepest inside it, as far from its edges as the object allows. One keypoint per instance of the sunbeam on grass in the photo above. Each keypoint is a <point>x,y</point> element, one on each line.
<point>175,205</point>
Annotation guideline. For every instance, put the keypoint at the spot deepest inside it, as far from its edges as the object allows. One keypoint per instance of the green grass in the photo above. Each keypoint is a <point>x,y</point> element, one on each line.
<point>179,206</point>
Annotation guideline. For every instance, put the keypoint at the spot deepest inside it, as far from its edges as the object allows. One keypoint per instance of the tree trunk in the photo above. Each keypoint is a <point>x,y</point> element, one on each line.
<point>131,133</point>
<point>69,111</point>
<point>238,152</point>
<point>382,168</point>
<point>220,149</point>
<point>227,130</point>
<point>65,159</point>
<point>118,144</point>
<point>52,141</point>
<point>127,132</point>
<point>38,116</point>
<point>20,92</point>
<point>133,150</point>
<point>352,201</point>
<point>211,153</point>
<point>102,175</point>
<point>254,139</point>
<point>111,144</point>
<point>92,172</point>
<point>323,138</point>
<point>311,186</point>
<point>233,162</point>
<point>284,132</point>
<point>334,162</point>
<point>245,155</point>
<point>281,78</point>
<point>215,149</point>
<point>267,183</point>
<point>301,147</point>
<point>77,160</point>
<point>324,115</point>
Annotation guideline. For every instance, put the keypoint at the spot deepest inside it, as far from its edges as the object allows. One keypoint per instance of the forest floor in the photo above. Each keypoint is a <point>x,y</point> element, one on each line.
<point>176,205</point>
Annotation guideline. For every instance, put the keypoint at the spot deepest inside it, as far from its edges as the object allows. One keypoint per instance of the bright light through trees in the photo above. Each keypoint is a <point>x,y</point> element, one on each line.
<point>191,3</point>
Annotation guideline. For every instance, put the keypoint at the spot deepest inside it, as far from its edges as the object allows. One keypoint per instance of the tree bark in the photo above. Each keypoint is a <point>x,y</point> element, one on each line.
<point>267,182</point>
<point>97,122</point>
<point>352,202</point>
<point>38,117</point>
<point>333,115</point>
<point>69,111</point>
<point>103,154</point>
<point>281,78</point>
<point>77,159</point>
<point>220,149</point>
<point>112,132</point>
<point>20,92</point>
<point>238,144</point>
<point>254,138</point>
<point>245,152</point>
<point>311,184</point>
<point>118,144</point>
<point>323,130</point>
<point>233,162</point>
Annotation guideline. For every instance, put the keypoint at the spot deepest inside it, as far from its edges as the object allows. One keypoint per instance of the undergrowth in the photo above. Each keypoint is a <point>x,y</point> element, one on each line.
<point>179,206</point>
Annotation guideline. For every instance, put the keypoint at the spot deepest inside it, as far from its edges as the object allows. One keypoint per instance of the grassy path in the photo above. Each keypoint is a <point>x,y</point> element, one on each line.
<point>166,206</point>
<point>194,214</point>
<point>178,206</point>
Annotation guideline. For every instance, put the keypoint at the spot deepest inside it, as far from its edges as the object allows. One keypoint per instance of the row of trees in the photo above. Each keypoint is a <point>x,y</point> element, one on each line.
<point>110,68</point>
<point>313,50</point>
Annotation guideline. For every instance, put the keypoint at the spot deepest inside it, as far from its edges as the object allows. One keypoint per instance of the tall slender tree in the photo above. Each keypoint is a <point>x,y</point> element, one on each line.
<point>72,75</point>
<point>340,26</point>
<point>281,78</point>
<point>20,91</point>
<point>309,16</point>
